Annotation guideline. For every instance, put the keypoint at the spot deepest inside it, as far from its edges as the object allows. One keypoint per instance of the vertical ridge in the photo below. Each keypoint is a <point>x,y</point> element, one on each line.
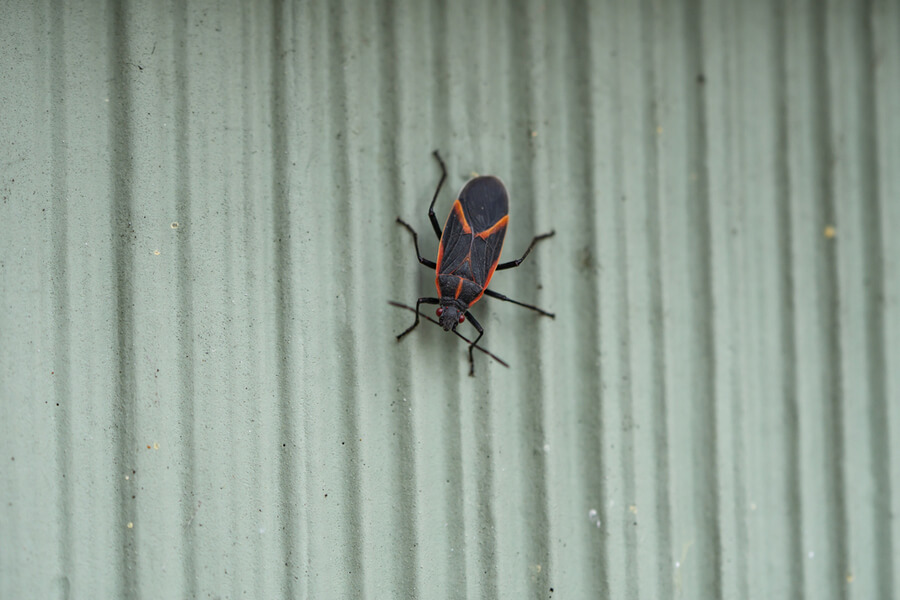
<point>60,287</point>
<point>345,336</point>
<point>253,231</point>
<point>623,334</point>
<point>532,458</point>
<point>787,323</point>
<point>590,393</point>
<point>828,292</point>
<point>879,441</point>
<point>185,298</point>
<point>486,534</point>
<point>122,172</point>
<point>657,309</point>
<point>283,263</point>
<point>389,102</point>
<point>727,98</point>
<point>703,379</point>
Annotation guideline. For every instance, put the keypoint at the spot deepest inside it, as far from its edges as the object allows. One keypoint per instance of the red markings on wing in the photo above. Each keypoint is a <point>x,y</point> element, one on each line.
<point>457,209</point>
<point>487,281</point>
<point>493,228</point>
<point>440,258</point>
<point>458,218</point>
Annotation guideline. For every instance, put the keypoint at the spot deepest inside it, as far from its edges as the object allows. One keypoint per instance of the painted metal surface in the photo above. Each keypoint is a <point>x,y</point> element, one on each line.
<point>200,392</point>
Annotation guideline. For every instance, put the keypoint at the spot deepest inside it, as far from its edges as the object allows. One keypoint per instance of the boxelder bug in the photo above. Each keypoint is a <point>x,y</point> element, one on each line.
<point>469,253</point>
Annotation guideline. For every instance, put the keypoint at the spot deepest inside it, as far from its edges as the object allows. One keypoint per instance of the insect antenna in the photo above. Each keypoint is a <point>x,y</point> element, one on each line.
<point>458,334</point>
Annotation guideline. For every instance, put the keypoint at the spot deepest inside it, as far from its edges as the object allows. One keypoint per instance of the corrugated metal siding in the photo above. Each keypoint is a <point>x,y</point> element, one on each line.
<point>201,393</point>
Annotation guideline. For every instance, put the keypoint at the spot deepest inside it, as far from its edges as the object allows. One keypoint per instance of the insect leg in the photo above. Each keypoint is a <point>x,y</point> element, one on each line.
<point>500,296</point>
<point>480,329</point>
<point>418,302</point>
<point>515,263</point>
<point>434,222</point>
<point>458,334</point>
<point>428,263</point>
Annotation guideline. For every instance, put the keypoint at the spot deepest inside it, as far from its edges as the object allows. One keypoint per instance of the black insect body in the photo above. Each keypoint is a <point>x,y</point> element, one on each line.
<point>469,253</point>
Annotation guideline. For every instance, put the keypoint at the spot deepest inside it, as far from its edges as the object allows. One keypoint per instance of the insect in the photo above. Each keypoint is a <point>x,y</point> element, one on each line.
<point>469,253</point>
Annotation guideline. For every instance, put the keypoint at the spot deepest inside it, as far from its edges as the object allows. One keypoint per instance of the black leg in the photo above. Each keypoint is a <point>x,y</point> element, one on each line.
<point>500,296</point>
<point>458,334</point>
<point>434,222</point>
<point>515,263</point>
<point>422,259</point>
<point>480,329</point>
<point>418,302</point>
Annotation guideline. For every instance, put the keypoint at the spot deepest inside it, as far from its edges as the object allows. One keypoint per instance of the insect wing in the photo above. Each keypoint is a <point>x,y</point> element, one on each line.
<point>484,202</point>
<point>456,244</point>
<point>485,206</point>
<point>473,235</point>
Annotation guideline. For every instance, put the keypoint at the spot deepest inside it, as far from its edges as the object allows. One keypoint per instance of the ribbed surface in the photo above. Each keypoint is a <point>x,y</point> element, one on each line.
<point>200,392</point>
